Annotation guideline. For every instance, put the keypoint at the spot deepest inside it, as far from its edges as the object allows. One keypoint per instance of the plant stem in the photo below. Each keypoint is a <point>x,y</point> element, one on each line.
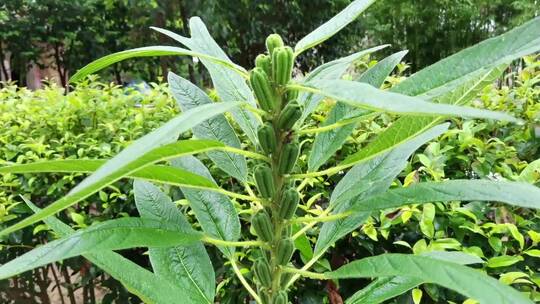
<point>311,224</point>
<point>338,124</point>
<point>320,219</point>
<point>249,154</point>
<point>305,273</point>
<point>244,282</point>
<point>219,242</point>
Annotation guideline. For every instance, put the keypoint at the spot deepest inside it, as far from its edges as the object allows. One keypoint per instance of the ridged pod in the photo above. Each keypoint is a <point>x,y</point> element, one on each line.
<point>282,64</point>
<point>280,298</point>
<point>288,157</point>
<point>267,138</point>
<point>265,181</point>
<point>284,251</point>
<point>287,231</point>
<point>262,225</point>
<point>290,114</point>
<point>265,296</point>
<point>288,204</point>
<point>285,277</point>
<point>262,272</point>
<point>264,62</point>
<point>292,95</point>
<point>273,41</point>
<point>263,89</point>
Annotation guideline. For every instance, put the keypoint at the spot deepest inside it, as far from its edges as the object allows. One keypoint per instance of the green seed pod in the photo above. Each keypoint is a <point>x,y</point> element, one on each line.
<point>263,90</point>
<point>288,157</point>
<point>285,250</point>
<point>262,272</point>
<point>289,203</point>
<point>285,277</point>
<point>282,64</point>
<point>290,114</point>
<point>265,181</point>
<point>273,41</point>
<point>265,296</point>
<point>292,95</point>
<point>280,298</point>
<point>267,138</point>
<point>287,231</point>
<point>263,226</point>
<point>264,62</point>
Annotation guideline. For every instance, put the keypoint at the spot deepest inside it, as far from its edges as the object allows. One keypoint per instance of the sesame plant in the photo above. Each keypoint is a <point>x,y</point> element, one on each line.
<point>273,109</point>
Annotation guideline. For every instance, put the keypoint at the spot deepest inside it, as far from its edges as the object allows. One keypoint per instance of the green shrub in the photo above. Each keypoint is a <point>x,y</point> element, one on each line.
<point>182,267</point>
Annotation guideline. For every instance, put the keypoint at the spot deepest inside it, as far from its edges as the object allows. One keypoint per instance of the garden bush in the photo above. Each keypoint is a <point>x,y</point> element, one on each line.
<point>258,234</point>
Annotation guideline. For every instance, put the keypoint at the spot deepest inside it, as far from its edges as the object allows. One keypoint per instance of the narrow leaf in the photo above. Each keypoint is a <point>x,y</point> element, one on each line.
<point>131,159</point>
<point>110,235</point>
<point>139,281</point>
<point>189,96</point>
<point>513,193</point>
<point>327,143</point>
<point>367,97</point>
<point>150,51</point>
<point>467,281</point>
<point>332,26</point>
<point>215,212</point>
<point>189,266</point>
<point>370,177</point>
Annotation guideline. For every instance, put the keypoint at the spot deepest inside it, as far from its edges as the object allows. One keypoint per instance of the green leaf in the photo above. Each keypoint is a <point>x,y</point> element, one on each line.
<point>467,281</point>
<point>230,86</point>
<point>332,26</point>
<point>327,143</point>
<point>531,173</point>
<point>518,42</point>
<point>386,288</point>
<point>409,126</point>
<point>156,173</point>
<point>513,193</point>
<point>371,177</point>
<point>330,70</point>
<point>150,51</point>
<point>189,96</point>
<point>367,97</point>
<point>189,266</point>
<point>214,211</point>
<point>503,261</point>
<point>110,235</point>
<point>134,157</point>
<point>139,281</point>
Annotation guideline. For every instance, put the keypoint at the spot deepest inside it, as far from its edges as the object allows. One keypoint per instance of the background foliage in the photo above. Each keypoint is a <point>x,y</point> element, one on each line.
<point>65,34</point>
<point>46,124</point>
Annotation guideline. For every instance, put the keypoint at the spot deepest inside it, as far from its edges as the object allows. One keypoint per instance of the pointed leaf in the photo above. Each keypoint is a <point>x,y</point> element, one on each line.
<point>189,266</point>
<point>110,235</point>
<point>150,51</point>
<point>512,193</point>
<point>132,158</point>
<point>327,143</point>
<point>365,96</point>
<point>139,281</point>
<point>332,26</point>
<point>214,211</point>
<point>189,96</point>
<point>371,177</point>
<point>467,281</point>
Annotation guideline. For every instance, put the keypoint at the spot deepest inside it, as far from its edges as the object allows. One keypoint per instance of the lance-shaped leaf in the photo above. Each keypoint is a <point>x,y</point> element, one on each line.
<point>512,193</point>
<point>366,179</point>
<point>131,159</point>
<point>516,43</point>
<point>365,96</point>
<point>214,211</point>
<point>332,26</point>
<point>189,96</point>
<point>330,70</point>
<point>407,127</point>
<point>150,51</point>
<point>462,279</point>
<point>230,86</point>
<point>328,142</point>
<point>188,266</point>
<point>110,235</point>
<point>147,286</point>
<point>386,288</point>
